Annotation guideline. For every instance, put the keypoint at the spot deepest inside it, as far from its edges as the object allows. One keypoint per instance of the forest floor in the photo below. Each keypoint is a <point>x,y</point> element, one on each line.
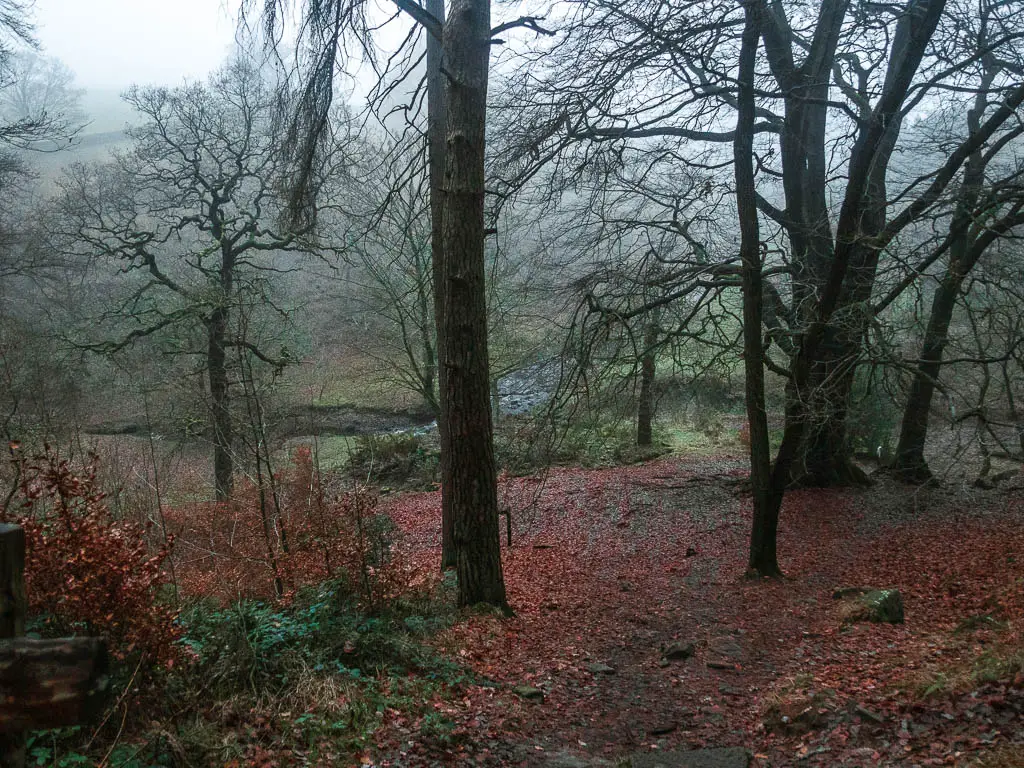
<point>613,569</point>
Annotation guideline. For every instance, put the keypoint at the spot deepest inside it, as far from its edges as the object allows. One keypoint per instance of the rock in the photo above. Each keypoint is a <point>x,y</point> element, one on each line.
<point>528,388</point>
<point>598,668</point>
<point>796,716</point>
<point>724,652</point>
<point>879,605</point>
<point>729,757</point>
<point>661,730</point>
<point>725,647</point>
<point>679,651</point>
<point>528,692</point>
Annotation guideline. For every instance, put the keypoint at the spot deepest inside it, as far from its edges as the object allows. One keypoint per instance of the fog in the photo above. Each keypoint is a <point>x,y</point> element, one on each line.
<point>111,44</point>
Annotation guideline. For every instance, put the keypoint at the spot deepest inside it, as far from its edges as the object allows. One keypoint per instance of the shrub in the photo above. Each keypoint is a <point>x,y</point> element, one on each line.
<point>85,571</point>
<point>266,647</point>
<point>303,529</point>
<point>406,459</point>
<point>525,446</point>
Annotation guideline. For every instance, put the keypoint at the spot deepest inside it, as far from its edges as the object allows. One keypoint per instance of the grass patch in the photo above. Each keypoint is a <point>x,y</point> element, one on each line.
<point>1006,756</point>
<point>1000,663</point>
<point>333,451</point>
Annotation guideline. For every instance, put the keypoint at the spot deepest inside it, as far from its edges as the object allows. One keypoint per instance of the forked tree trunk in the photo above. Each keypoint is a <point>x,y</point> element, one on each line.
<point>645,405</point>
<point>470,477</point>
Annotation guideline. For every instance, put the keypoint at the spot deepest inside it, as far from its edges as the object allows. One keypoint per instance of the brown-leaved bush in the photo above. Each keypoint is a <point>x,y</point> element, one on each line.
<point>86,572</point>
<point>301,529</point>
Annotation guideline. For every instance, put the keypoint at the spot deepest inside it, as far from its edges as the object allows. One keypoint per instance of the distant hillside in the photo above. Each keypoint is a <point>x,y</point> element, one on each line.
<point>106,111</point>
<point>89,147</point>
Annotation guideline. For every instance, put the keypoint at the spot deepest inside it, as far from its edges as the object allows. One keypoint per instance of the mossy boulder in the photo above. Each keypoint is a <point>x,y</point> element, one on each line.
<point>882,606</point>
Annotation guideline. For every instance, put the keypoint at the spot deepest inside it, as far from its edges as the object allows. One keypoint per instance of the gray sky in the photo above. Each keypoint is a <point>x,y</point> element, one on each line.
<point>115,43</point>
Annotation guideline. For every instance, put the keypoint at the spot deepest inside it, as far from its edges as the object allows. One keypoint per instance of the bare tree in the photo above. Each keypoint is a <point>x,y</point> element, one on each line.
<point>187,217</point>
<point>469,491</point>
<point>834,86</point>
<point>40,90</point>
<point>985,205</point>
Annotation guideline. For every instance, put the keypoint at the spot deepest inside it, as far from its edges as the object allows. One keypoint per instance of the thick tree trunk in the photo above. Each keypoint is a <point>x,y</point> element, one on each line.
<point>645,405</point>
<point>437,112</point>
<point>825,459</point>
<point>471,480</point>
<point>223,428</point>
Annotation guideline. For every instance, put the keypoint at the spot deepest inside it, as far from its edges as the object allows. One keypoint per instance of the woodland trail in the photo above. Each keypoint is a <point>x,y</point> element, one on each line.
<point>636,631</point>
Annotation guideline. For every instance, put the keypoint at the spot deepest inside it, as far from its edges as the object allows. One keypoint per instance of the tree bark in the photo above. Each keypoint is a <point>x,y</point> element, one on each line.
<point>824,459</point>
<point>471,479</point>
<point>763,559</point>
<point>965,251</point>
<point>645,405</point>
<point>437,112</point>
<point>223,427</point>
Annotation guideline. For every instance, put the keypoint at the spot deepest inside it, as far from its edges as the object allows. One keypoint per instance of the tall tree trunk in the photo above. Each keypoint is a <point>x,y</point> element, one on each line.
<point>428,332</point>
<point>471,479</point>
<point>223,428</point>
<point>648,365</point>
<point>763,558</point>
<point>436,126</point>
<point>964,252</point>
<point>910,463</point>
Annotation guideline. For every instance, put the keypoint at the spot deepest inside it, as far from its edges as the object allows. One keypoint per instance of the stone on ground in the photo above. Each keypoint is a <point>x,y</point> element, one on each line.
<point>679,651</point>
<point>529,692</point>
<point>882,606</point>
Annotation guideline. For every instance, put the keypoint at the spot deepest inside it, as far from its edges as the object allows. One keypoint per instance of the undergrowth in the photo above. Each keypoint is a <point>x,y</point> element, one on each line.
<point>405,460</point>
<point>313,680</point>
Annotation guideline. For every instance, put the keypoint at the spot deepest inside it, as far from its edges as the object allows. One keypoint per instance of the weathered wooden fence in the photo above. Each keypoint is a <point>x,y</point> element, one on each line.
<point>43,683</point>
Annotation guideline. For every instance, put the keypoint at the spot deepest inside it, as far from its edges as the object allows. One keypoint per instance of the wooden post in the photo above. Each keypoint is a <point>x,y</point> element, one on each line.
<point>13,604</point>
<point>43,683</point>
<point>51,683</point>
<point>507,512</point>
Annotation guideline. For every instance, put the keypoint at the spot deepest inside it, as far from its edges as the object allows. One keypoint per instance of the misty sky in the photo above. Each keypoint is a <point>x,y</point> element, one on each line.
<point>114,43</point>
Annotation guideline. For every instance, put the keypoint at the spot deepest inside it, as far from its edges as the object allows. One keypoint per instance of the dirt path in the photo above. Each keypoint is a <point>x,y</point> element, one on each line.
<point>612,568</point>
